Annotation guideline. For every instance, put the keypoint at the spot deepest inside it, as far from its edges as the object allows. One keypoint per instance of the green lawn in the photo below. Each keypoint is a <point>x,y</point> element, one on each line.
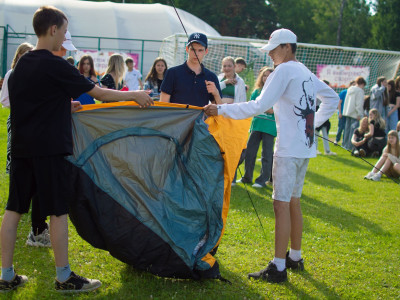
<point>351,244</point>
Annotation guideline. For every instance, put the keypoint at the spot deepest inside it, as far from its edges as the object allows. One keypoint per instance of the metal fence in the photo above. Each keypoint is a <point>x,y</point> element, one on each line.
<point>147,50</point>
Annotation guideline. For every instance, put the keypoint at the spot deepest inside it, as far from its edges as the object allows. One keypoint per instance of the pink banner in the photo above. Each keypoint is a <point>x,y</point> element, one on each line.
<point>340,76</point>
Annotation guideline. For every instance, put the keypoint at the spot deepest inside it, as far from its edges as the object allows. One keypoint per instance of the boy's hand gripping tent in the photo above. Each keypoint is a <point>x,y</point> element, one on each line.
<point>152,186</point>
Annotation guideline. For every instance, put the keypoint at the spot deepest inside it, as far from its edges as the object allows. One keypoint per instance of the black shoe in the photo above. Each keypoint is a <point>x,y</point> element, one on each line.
<point>243,180</point>
<point>18,280</point>
<point>77,284</point>
<point>294,265</point>
<point>270,274</point>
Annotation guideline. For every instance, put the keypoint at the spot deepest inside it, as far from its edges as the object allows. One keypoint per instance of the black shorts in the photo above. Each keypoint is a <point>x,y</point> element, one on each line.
<point>48,178</point>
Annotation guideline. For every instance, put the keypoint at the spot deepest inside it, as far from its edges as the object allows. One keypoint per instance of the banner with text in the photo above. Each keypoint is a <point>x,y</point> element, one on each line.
<point>340,76</point>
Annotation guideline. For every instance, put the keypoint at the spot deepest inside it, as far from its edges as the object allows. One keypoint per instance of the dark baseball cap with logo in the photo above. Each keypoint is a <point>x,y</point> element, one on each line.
<point>198,37</point>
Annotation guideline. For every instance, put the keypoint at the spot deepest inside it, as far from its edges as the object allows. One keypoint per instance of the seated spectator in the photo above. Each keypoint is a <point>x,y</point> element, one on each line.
<point>376,136</point>
<point>155,78</point>
<point>389,162</point>
<point>359,141</point>
<point>133,78</point>
<point>86,68</point>
<point>114,73</point>
<point>232,86</point>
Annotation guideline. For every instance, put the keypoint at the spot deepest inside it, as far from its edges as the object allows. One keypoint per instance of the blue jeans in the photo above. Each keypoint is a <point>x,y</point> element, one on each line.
<point>341,125</point>
<point>392,121</point>
<point>351,125</point>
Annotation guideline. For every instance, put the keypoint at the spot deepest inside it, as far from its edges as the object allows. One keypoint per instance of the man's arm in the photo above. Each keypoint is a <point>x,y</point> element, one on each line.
<point>140,97</point>
<point>273,89</point>
<point>164,97</point>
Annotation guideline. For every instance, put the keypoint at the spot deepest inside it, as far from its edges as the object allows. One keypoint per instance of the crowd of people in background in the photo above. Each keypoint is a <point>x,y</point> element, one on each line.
<point>364,121</point>
<point>369,123</point>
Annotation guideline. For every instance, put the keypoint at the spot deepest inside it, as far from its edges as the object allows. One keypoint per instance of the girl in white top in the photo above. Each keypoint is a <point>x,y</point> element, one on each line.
<point>232,86</point>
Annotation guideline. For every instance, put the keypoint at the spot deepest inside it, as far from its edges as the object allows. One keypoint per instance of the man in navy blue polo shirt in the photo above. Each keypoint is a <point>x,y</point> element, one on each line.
<point>191,83</point>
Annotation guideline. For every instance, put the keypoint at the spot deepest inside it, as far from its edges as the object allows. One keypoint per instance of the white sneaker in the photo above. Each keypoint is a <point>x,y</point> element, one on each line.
<point>233,183</point>
<point>376,177</point>
<point>330,153</point>
<point>257,185</point>
<point>40,240</point>
<point>369,175</point>
<point>318,153</point>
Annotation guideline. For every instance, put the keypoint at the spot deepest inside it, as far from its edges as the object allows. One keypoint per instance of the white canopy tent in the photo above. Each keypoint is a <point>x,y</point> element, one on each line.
<point>106,20</point>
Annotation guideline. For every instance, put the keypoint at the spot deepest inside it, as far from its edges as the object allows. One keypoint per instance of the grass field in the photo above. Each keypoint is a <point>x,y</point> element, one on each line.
<point>351,244</point>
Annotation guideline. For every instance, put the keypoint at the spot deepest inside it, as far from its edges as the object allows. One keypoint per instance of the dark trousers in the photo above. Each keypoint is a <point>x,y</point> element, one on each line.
<point>266,156</point>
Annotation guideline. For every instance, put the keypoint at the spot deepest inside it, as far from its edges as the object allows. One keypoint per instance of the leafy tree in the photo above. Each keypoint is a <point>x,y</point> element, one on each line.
<point>386,25</point>
<point>297,16</point>
<point>355,29</point>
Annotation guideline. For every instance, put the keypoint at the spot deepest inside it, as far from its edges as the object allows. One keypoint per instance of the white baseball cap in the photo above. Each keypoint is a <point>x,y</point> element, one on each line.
<point>67,44</point>
<point>280,36</point>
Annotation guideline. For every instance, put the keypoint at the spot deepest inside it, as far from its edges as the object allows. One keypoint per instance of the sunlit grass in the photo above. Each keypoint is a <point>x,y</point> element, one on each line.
<point>350,244</point>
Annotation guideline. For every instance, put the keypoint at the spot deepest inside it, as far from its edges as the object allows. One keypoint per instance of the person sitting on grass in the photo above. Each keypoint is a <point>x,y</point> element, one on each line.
<point>389,162</point>
<point>359,140</point>
<point>41,138</point>
<point>376,136</point>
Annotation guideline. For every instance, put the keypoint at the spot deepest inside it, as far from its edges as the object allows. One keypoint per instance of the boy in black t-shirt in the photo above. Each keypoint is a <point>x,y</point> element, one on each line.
<point>40,88</point>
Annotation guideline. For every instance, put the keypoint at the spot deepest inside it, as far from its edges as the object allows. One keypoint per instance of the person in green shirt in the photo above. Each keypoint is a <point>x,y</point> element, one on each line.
<point>263,129</point>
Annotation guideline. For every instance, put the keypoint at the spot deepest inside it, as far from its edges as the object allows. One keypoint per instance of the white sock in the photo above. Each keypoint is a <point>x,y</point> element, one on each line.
<point>295,255</point>
<point>280,263</point>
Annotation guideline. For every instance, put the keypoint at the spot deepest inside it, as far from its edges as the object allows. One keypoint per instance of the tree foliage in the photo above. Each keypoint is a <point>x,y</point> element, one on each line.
<point>386,25</point>
<point>314,21</point>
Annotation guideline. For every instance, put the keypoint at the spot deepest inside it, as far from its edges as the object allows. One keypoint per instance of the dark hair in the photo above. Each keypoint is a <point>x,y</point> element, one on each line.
<point>366,105</point>
<point>360,80</point>
<point>397,83</point>
<point>92,72</point>
<point>45,17</point>
<point>292,46</point>
<point>152,75</point>
<point>380,80</point>
<point>71,60</point>
<point>392,92</point>
<point>240,60</point>
<point>128,60</point>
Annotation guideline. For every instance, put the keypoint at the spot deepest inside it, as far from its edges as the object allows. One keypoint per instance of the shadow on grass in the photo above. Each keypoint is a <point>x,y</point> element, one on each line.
<point>321,287</point>
<point>352,161</point>
<point>337,216</point>
<point>322,180</point>
<point>244,196</point>
<point>136,284</point>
